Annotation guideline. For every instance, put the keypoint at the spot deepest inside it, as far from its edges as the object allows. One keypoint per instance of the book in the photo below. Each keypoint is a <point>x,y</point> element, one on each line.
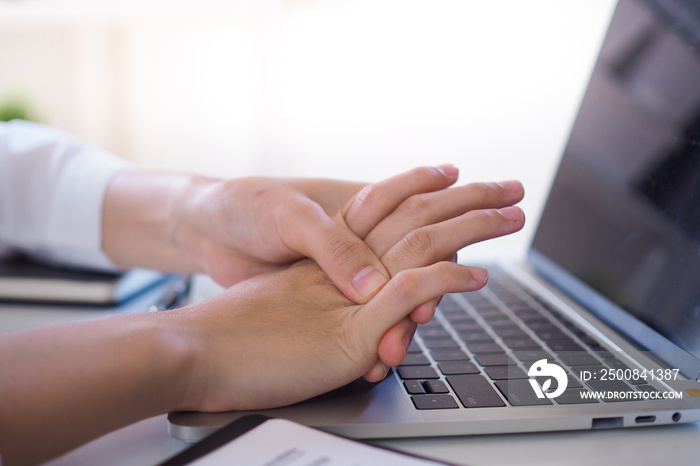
<point>22,279</point>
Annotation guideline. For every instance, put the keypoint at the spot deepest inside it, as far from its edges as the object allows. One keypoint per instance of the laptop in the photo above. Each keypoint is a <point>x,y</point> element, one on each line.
<point>600,326</point>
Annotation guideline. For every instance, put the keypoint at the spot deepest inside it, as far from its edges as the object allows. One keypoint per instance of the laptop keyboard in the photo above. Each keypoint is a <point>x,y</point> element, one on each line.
<point>478,349</point>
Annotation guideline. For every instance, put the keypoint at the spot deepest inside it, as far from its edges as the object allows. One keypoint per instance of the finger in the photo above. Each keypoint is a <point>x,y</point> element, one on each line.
<point>431,208</point>
<point>376,201</point>
<point>410,288</point>
<point>423,313</point>
<point>394,344</point>
<point>392,349</point>
<point>377,373</point>
<point>433,243</point>
<point>346,259</point>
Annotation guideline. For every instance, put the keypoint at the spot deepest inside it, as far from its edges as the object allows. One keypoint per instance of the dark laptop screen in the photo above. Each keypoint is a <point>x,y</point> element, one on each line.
<point>623,215</point>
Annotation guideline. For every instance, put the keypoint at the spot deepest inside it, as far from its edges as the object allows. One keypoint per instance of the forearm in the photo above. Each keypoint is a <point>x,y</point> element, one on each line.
<point>145,222</point>
<point>65,385</point>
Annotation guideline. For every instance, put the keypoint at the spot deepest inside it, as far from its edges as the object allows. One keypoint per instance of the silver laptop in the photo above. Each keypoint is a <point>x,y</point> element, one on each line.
<point>600,328</point>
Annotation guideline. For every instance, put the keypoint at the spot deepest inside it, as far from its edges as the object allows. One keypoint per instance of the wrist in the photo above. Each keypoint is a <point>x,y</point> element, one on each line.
<point>146,221</point>
<point>177,355</point>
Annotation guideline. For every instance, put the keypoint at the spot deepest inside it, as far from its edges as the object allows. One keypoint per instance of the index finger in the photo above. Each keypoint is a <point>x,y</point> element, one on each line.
<point>376,201</point>
<point>432,208</point>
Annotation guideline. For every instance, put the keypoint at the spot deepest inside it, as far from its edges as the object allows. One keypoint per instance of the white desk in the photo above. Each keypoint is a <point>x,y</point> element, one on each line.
<point>147,442</point>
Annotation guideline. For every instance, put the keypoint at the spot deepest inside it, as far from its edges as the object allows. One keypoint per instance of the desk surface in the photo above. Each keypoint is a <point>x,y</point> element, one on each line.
<point>147,442</point>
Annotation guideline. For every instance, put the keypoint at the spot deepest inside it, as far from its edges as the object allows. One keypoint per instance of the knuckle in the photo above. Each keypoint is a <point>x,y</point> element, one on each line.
<point>405,284</point>
<point>415,205</point>
<point>343,249</point>
<point>372,194</point>
<point>419,242</point>
<point>491,220</point>
<point>481,191</point>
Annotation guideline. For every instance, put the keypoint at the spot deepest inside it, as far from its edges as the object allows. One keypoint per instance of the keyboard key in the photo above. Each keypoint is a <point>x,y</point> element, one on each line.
<point>482,347</point>
<point>531,316</point>
<point>488,310</point>
<point>435,386</point>
<point>564,345</point>
<point>505,372</point>
<point>474,391</point>
<point>460,317</point>
<point>475,337</point>
<point>435,332</point>
<point>615,363</point>
<point>467,327</point>
<point>414,347</point>
<point>572,382</point>
<point>511,332</point>
<point>440,343</point>
<point>497,319</point>
<point>520,393</point>
<point>434,402</point>
<point>458,367</point>
<point>414,387</point>
<point>573,397</point>
<point>589,340</point>
<point>415,359</point>
<point>521,343</point>
<point>529,322</point>
<point>575,358</point>
<point>532,355</point>
<point>502,323</point>
<point>501,359</point>
<point>553,335</point>
<point>417,372</point>
<point>543,327</point>
<point>449,355</point>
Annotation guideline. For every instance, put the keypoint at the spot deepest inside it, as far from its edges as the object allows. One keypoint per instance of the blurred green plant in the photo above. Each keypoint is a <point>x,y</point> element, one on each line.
<point>14,108</point>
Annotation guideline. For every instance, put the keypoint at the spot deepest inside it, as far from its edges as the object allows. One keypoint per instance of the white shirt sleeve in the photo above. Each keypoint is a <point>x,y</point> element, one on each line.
<point>52,187</point>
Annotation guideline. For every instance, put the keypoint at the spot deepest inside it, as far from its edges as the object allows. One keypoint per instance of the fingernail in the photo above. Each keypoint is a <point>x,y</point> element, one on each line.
<point>368,280</point>
<point>512,213</point>
<point>511,186</point>
<point>385,369</point>
<point>406,343</point>
<point>449,170</point>
<point>480,275</point>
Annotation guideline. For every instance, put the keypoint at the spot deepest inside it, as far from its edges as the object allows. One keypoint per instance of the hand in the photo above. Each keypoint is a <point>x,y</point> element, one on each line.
<point>467,209</point>
<point>236,229</point>
<point>288,335</point>
<point>253,225</point>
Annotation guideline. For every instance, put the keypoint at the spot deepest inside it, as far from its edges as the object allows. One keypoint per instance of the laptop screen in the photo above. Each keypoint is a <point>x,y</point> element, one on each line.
<point>623,216</point>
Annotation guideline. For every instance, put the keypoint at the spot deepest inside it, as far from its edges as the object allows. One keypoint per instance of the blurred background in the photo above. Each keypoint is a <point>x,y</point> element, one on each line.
<point>354,89</point>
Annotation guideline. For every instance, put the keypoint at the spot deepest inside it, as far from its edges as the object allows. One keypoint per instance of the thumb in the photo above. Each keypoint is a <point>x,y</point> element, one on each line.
<point>347,260</point>
<point>350,264</point>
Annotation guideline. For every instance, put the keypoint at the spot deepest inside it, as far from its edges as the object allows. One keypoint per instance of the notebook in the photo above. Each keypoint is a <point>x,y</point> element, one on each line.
<point>600,326</point>
<point>24,280</point>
